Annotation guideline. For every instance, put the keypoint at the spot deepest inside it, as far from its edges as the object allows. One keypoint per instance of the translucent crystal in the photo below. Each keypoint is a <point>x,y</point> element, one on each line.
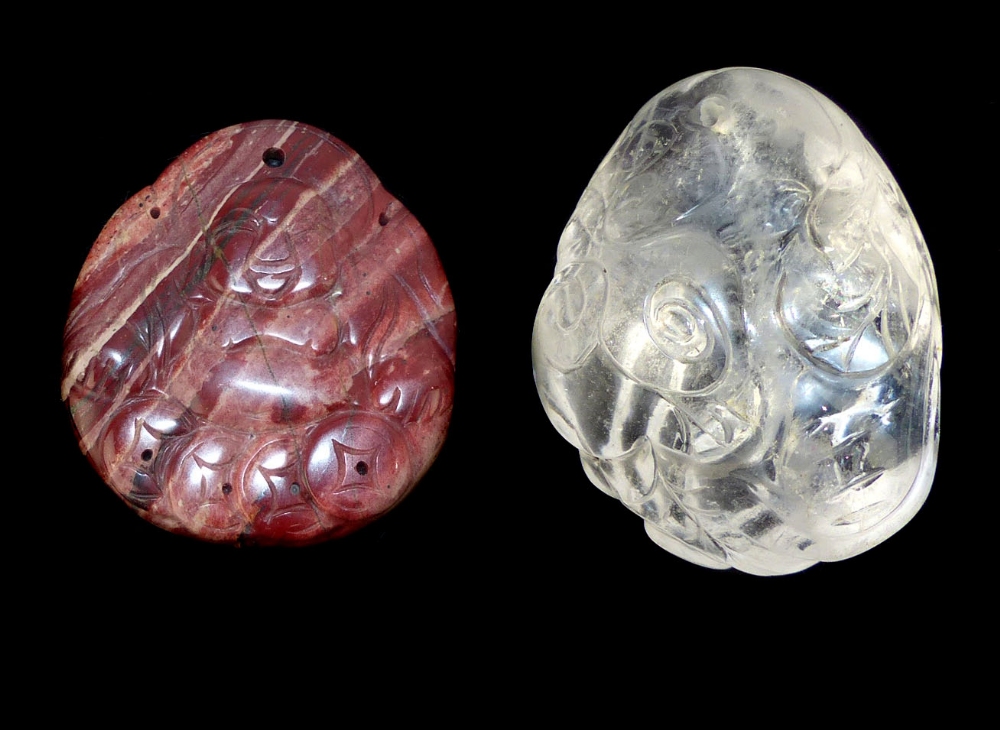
<point>742,336</point>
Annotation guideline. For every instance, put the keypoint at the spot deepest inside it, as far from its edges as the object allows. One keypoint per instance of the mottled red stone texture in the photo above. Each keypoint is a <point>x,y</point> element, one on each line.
<point>260,346</point>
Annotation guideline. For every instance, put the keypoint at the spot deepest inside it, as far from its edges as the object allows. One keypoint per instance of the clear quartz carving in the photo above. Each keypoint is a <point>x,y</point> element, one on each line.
<point>742,336</point>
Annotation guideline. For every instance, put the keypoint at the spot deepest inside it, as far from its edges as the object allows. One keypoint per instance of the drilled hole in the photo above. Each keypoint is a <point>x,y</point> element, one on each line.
<point>383,218</point>
<point>154,212</point>
<point>273,157</point>
<point>294,489</point>
<point>361,467</point>
<point>227,488</point>
<point>147,454</point>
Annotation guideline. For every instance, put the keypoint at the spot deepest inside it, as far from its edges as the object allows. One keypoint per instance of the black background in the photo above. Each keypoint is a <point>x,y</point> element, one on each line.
<point>504,546</point>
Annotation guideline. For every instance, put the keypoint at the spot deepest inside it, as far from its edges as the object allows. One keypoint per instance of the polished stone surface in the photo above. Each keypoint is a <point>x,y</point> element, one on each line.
<point>742,336</point>
<point>260,346</point>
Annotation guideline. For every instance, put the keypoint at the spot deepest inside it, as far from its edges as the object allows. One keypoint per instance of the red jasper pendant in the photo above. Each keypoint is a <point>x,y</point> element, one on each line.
<point>261,344</point>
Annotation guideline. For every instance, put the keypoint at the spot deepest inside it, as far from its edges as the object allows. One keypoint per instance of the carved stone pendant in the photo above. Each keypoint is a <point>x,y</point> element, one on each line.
<point>261,344</point>
<point>742,337</point>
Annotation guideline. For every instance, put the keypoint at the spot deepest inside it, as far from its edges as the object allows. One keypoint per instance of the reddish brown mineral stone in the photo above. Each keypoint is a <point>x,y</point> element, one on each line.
<point>261,344</point>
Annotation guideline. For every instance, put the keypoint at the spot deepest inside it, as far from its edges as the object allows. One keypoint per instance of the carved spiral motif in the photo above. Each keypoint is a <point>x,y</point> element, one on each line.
<point>675,323</point>
<point>573,306</point>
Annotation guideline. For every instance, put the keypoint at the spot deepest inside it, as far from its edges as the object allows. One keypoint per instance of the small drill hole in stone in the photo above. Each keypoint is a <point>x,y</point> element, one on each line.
<point>154,212</point>
<point>294,489</point>
<point>273,157</point>
<point>227,488</point>
<point>383,218</point>
<point>147,454</point>
<point>361,467</point>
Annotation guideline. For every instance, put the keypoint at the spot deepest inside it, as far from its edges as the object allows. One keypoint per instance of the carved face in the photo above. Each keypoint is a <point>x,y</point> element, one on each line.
<point>742,334</point>
<point>272,242</point>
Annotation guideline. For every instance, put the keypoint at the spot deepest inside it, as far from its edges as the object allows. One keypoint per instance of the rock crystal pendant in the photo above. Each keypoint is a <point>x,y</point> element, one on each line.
<point>742,336</point>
